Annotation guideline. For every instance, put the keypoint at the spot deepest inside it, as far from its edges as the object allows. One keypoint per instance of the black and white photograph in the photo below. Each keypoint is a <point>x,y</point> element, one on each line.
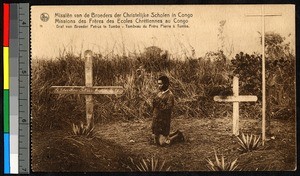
<point>163,88</point>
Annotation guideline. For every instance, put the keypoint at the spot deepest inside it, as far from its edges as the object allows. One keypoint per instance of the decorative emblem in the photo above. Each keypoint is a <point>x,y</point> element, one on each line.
<point>44,17</point>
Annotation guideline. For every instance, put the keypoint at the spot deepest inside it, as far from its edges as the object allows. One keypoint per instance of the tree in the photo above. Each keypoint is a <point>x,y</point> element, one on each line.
<point>280,76</point>
<point>276,47</point>
<point>153,52</point>
<point>155,59</point>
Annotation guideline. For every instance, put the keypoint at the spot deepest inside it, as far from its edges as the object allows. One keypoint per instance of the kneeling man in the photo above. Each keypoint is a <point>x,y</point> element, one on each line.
<point>163,104</point>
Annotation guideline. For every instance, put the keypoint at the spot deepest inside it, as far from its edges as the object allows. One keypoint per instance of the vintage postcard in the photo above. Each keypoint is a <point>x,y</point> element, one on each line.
<point>163,88</point>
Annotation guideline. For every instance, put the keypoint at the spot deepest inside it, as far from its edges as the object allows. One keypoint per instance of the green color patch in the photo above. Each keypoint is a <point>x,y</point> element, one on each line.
<point>6,110</point>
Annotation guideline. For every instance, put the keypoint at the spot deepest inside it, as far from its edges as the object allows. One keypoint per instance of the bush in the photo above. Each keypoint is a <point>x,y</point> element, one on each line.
<point>248,143</point>
<point>194,82</point>
<point>280,81</point>
<point>149,165</point>
<point>221,164</point>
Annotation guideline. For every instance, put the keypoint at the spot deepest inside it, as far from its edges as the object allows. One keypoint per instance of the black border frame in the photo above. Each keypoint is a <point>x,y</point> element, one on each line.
<point>164,2</point>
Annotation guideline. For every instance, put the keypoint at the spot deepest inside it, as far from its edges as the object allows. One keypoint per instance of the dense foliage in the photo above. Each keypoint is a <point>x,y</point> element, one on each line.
<point>194,82</point>
<point>280,76</point>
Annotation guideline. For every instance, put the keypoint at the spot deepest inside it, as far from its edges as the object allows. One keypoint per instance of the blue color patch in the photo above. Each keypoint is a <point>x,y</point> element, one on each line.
<point>6,154</point>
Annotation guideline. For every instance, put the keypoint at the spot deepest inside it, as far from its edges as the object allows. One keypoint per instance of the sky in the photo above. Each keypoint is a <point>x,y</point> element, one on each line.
<point>240,31</point>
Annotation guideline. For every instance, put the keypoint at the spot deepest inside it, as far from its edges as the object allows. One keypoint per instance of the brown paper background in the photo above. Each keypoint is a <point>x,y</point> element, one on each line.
<point>240,31</point>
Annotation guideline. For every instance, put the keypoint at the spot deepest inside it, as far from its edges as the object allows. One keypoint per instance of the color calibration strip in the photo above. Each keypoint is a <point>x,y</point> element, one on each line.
<point>16,96</point>
<point>6,15</point>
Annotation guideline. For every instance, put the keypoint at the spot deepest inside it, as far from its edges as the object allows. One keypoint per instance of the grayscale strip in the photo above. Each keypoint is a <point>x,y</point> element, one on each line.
<point>14,88</point>
<point>24,88</point>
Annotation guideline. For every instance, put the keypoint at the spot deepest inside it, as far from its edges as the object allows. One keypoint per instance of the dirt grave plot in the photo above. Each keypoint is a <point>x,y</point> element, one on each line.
<point>202,137</point>
<point>113,145</point>
<point>56,152</point>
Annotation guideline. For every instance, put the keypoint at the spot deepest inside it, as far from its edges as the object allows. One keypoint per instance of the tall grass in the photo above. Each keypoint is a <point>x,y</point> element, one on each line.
<point>194,82</point>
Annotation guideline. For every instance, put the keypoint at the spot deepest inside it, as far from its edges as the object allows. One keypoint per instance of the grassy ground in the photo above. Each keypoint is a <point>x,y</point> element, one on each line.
<point>115,143</point>
<point>52,152</point>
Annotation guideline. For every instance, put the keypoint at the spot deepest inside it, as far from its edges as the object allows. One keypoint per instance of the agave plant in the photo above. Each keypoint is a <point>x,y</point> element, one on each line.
<point>248,143</point>
<point>221,164</point>
<point>150,165</point>
<point>82,130</point>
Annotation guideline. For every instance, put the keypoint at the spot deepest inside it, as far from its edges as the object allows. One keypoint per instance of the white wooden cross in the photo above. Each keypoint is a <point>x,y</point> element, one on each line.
<point>236,99</point>
<point>88,90</point>
<point>263,15</point>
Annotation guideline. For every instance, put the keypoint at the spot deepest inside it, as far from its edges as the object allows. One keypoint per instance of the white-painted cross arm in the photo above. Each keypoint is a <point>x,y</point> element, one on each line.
<point>95,90</point>
<point>240,98</point>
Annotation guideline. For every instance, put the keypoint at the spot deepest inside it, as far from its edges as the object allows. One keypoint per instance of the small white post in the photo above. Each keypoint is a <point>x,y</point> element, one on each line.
<point>235,90</point>
<point>263,78</point>
<point>89,83</point>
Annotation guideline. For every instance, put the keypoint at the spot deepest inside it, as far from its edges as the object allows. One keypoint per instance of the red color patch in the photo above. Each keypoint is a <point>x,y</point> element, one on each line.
<point>5,25</point>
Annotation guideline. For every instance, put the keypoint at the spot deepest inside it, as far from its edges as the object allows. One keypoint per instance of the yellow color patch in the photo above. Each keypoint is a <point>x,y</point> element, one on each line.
<point>6,67</point>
